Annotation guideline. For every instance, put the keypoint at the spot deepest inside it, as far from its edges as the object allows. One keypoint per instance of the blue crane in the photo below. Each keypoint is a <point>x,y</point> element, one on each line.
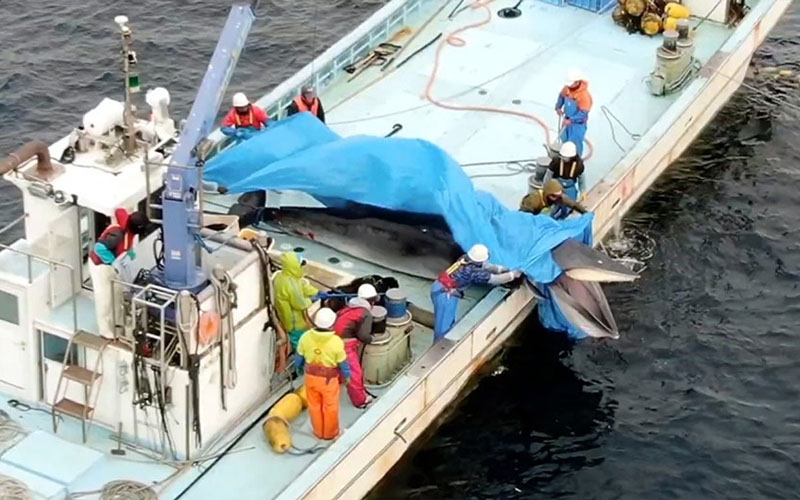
<point>181,216</point>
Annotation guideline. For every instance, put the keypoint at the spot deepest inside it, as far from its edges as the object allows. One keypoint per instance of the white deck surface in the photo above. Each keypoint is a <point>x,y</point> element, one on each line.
<point>522,60</point>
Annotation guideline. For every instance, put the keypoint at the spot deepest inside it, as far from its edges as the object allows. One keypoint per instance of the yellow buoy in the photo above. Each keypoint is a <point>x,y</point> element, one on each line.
<point>276,426</point>
<point>671,24</point>
<point>635,7</point>
<point>676,10</point>
<point>651,24</point>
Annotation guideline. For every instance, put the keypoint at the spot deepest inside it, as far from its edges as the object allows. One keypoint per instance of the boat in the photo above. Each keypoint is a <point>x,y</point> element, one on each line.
<point>158,410</point>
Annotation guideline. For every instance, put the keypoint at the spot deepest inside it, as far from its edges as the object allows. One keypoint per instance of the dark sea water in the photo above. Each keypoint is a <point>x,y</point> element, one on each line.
<point>700,398</point>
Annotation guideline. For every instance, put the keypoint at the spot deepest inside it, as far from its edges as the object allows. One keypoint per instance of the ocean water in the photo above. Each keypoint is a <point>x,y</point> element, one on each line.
<point>699,398</point>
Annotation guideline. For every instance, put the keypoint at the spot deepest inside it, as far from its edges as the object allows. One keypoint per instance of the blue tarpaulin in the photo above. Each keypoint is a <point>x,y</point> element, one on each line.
<point>301,153</point>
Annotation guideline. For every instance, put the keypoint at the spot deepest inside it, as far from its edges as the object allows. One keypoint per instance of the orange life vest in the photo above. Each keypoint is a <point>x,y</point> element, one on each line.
<point>238,119</point>
<point>303,106</point>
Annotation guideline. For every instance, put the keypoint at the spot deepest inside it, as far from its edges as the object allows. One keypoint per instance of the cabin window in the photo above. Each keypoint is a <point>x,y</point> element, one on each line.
<point>54,347</point>
<point>9,308</point>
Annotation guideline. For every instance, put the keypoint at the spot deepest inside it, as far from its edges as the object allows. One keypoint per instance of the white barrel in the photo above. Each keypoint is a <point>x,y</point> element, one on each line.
<point>103,118</point>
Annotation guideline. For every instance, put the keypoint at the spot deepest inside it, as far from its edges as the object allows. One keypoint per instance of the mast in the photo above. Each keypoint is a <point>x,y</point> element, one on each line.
<point>131,84</point>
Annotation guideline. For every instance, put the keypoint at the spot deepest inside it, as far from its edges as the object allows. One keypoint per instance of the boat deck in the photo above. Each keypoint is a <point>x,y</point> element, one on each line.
<point>519,65</point>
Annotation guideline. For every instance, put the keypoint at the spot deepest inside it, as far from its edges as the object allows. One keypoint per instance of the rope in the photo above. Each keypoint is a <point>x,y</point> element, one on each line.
<point>608,114</point>
<point>455,40</point>
<point>9,432</point>
<point>13,489</point>
<point>127,490</point>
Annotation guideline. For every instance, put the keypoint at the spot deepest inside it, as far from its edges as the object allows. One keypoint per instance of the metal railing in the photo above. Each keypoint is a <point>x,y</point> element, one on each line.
<point>322,71</point>
<point>31,258</point>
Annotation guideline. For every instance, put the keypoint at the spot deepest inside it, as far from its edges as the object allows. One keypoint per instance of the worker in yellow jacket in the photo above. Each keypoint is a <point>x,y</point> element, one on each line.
<point>322,354</point>
<point>293,297</point>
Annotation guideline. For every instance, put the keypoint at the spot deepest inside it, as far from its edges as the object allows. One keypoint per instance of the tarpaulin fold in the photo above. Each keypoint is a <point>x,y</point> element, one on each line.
<point>301,153</point>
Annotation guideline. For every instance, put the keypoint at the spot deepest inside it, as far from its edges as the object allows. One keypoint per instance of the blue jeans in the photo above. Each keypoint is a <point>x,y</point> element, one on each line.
<point>571,190</point>
<point>575,133</point>
<point>445,307</point>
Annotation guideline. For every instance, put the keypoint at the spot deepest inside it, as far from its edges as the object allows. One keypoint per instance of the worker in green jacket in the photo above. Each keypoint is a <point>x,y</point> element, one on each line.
<point>542,200</point>
<point>293,297</point>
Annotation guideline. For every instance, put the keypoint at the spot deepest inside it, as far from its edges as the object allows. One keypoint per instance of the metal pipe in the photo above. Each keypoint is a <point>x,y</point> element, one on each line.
<point>44,167</point>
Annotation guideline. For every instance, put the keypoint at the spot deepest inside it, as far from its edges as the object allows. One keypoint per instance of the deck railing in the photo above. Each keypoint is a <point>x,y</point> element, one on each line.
<point>322,71</point>
<point>52,264</point>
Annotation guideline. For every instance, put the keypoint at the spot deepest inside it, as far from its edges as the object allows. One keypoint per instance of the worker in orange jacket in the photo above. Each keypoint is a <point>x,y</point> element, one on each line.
<point>322,354</point>
<point>307,101</point>
<point>573,105</point>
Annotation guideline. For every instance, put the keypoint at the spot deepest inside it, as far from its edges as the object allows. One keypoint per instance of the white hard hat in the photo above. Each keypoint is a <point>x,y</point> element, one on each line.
<point>478,253</point>
<point>240,100</point>
<point>367,291</point>
<point>573,76</point>
<point>325,318</point>
<point>568,149</point>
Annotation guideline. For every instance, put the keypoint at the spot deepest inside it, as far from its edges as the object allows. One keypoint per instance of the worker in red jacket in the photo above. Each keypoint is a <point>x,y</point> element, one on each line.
<point>307,101</point>
<point>354,326</point>
<point>116,241</point>
<point>244,119</point>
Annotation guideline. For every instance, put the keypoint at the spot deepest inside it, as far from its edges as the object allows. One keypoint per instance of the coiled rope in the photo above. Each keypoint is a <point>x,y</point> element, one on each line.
<point>13,489</point>
<point>9,432</point>
<point>127,490</point>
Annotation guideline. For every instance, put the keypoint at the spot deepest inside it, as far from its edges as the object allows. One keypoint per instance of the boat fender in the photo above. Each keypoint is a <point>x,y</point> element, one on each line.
<point>277,425</point>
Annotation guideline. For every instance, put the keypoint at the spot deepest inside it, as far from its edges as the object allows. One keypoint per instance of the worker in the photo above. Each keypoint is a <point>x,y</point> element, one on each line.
<point>244,119</point>
<point>307,101</point>
<point>567,169</point>
<point>471,269</point>
<point>548,200</point>
<point>293,295</point>
<point>321,353</point>
<point>354,326</point>
<point>116,241</point>
<point>573,106</point>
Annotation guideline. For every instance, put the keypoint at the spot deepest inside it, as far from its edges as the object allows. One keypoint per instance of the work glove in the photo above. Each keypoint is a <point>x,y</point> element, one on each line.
<point>320,296</point>
<point>517,274</point>
<point>559,112</point>
<point>567,122</point>
<point>131,255</point>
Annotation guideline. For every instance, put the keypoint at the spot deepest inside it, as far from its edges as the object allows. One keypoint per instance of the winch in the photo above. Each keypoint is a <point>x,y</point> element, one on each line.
<point>675,62</point>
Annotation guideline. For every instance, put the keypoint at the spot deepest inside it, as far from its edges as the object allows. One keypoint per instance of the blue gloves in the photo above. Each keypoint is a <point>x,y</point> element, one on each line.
<point>344,369</point>
<point>320,296</point>
<point>299,362</point>
<point>132,254</point>
<point>104,253</point>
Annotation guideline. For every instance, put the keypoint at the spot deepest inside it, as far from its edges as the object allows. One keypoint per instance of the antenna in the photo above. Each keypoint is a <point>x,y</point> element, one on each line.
<point>131,83</point>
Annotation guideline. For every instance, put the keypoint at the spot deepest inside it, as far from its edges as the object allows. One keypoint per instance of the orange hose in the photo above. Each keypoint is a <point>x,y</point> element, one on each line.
<point>456,41</point>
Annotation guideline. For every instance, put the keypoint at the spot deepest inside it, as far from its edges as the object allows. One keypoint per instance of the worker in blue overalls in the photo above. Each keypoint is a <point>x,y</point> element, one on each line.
<point>573,106</point>
<point>471,269</point>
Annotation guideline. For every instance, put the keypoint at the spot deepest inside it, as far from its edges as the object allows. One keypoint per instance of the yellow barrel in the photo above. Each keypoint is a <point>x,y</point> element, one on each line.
<point>676,10</point>
<point>276,427</point>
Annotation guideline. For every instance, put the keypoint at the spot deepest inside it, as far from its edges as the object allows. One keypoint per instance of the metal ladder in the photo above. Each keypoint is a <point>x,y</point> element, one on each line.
<point>72,371</point>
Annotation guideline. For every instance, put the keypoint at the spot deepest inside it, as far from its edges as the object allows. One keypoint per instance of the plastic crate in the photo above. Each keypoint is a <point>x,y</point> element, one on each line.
<point>598,6</point>
<point>557,3</point>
